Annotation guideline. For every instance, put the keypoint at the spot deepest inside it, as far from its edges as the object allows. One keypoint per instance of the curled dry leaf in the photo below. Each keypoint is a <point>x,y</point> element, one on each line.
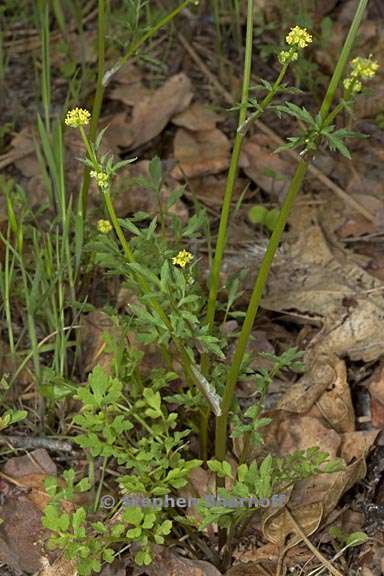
<point>196,118</point>
<point>152,114</point>
<point>328,287</point>
<point>253,569</point>
<point>376,392</point>
<point>97,328</point>
<point>210,189</point>
<point>255,554</point>
<point>60,567</point>
<point>129,88</point>
<point>314,498</point>
<point>302,395</point>
<point>357,444</point>
<point>132,196</point>
<point>167,563</point>
<point>335,404</point>
<point>24,499</point>
<point>200,153</point>
<point>268,170</point>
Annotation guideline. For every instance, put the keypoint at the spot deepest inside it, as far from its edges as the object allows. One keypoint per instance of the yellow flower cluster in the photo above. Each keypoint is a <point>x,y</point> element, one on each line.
<point>77,117</point>
<point>101,178</point>
<point>104,226</point>
<point>299,37</point>
<point>288,56</point>
<point>362,69</point>
<point>182,258</point>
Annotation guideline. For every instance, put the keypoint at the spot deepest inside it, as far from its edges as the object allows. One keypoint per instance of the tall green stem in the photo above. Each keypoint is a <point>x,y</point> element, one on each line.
<point>243,124</point>
<point>294,188</point>
<point>232,174</point>
<point>97,102</point>
<point>103,77</point>
<point>233,374</point>
<point>186,363</point>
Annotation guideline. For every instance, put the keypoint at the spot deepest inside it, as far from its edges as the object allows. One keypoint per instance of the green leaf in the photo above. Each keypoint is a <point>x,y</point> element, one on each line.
<point>337,144</point>
<point>143,558</point>
<point>356,539</point>
<point>108,555</point>
<point>271,218</point>
<point>155,172</point>
<point>153,399</point>
<point>165,528</point>
<point>257,214</point>
<point>78,519</point>
<point>134,533</point>
<point>128,225</point>
<point>133,515</point>
<point>335,465</point>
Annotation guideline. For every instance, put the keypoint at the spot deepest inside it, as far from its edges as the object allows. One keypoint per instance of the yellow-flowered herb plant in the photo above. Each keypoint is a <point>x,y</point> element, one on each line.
<point>322,129</point>
<point>171,312</point>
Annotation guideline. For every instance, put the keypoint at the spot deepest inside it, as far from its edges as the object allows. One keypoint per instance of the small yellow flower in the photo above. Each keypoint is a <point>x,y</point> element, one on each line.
<point>299,37</point>
<point>77,117</point>
<point>104,226</point>
<point>101,178</point>
<point>182,258</point>
<point>287,56</point>
<point>353,84</point>
<point>364,67</point>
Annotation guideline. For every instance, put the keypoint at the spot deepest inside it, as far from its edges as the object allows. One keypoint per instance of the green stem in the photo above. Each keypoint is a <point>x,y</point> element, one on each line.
<point>100,486</point>
<point>185,360</point>
<point>343,59</point>
<point>265,102</point>
<point>296,183</point>
<point>222,421</point>
<point>103,78</point>
<point>243,124</point>
<point>232,174</point>
<point>97,102</point>
<point>140,41</point>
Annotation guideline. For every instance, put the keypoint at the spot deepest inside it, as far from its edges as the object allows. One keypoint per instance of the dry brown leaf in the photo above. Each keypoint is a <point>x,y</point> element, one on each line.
<point>118,131</point>
<point>200,153</point>
<point>129,94</point>
<point>312,500</point>
<point>96,329</point>
<point>133,197</point>
<point>269,552</point>
<point>152,113</point>
<point>335,404</point>
<point>357,444</point>
<point>277,528</point>
<point>36,462</point>
<point>329,287</point>
<point>252,569</point>
<point>268,170</point>
<point>21,533</point>
<point>128,88</point>
<point>210,189</point>
<point>196,118</point>
<point>167,563</point>
<point>302,395</point>
<point>60,567</point>
<point>376,391</point>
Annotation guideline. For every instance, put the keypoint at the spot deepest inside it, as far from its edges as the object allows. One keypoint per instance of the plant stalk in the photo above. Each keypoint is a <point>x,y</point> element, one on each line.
<point>294,188</point>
